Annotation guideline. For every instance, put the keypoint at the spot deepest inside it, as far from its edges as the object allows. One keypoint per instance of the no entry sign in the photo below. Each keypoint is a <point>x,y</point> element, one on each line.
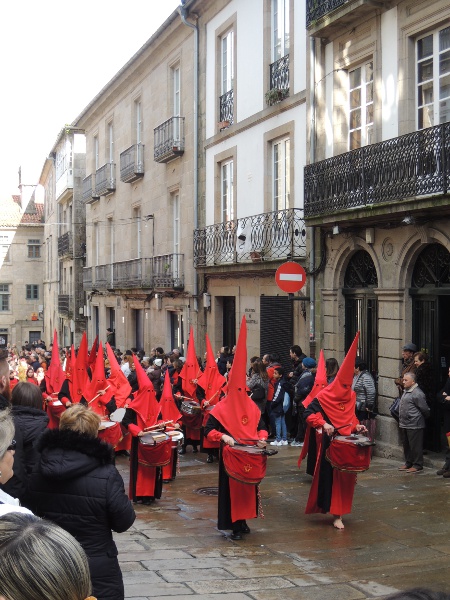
<point>290,277</point>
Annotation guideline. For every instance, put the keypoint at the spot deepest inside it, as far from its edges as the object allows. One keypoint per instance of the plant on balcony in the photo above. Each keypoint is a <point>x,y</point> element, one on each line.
<point>276,95</point>
<point>223,125</point>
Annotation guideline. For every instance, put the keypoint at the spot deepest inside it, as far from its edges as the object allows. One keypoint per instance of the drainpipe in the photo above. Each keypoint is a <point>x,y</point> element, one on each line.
<point>184,12</point>
<point>312,159</point>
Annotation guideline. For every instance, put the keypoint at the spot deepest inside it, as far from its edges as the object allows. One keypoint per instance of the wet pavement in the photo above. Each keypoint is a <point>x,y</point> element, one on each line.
<point>397,537</point>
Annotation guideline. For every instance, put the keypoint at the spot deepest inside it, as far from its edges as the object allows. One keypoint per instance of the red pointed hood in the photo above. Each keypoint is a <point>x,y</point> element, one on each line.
<point>99,382</point>
<point>145,404</point>
<point>320,382</point>
<point>169,410</point>
<point>237,412</point>
<point>54,376</point>
<point>83,354</point>
<point>93,353</point>
<point>80,377</point>
<point>120,385</point>
<point>338,400</point>
<point>211,380</point>
<point>190,370</point>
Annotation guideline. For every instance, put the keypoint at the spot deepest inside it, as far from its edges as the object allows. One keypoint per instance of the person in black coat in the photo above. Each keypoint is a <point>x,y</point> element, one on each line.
<point>77,486</point>
<point>26,400</point>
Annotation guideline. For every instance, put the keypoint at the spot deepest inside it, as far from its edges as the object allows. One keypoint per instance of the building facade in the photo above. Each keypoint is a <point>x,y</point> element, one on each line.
<point>376,188</point>
<point>138,193</point>
<point>21,290</point>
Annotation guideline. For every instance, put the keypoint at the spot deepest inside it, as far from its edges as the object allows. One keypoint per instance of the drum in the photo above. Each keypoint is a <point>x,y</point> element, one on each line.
<point>106,425</point>
<point>56,403</point>
<point>246,464</point>
<point>189,407</point>
<point>350,453</point>
<point>118,415</point>
<point>176,437</point>
<point>110,432</point>
<point>154,452</point>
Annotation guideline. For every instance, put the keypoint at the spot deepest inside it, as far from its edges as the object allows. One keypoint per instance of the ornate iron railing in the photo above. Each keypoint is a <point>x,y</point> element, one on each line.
<point>135,273</point>
<point>315,9</point>
<point>87,278</point>
<point>65,244</point>
<point>168,271</point>
<point>169,139</point>
<point>88,189</point>
<point>415,164</point>
<point>64,304</point>
<point>105,180</point>
<point>226,107</point>
<point>132,163</point>
<point>279,75</point>
<point>268,236</point>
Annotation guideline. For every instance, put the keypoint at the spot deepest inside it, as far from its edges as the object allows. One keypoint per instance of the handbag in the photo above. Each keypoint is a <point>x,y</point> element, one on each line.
<point>394,409</point>
<point>258,392</point>
<point>286,402</point>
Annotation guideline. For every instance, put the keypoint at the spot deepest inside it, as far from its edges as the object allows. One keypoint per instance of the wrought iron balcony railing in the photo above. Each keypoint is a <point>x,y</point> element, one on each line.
<point>168,271</point>
<point>65,245</point>
<point>105,180</point>
<point>415,164</point>
<point>136,273</point>
<point>87,278</point>
<point>132,163</point>
<point>269,236</point>
<point>64,304</point>
<point>169,140</point>
<point>279,75</point>
<point>316,9</point>
<point>226,108</point>
<point>88,194</point>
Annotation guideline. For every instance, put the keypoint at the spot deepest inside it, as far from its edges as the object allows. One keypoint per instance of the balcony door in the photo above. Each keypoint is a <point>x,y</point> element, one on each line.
<point>228,321</point>
<point>176,331</point>
<point>176,105</point>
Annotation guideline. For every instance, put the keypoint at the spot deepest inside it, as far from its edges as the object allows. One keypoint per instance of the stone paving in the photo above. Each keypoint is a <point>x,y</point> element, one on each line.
<point>397,537</point>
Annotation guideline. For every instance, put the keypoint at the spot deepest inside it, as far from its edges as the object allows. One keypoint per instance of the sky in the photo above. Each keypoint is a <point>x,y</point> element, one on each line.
<point>56,56</point>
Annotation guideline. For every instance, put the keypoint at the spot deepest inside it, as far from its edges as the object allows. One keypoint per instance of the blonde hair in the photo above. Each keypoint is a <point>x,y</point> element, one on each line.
<point>80,419</point>
<point>7,430</point>
<point>40,560</point>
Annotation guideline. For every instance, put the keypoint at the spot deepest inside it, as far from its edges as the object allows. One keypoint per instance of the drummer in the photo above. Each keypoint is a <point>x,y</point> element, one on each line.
<point>333,411</point>
<point>236,419</point>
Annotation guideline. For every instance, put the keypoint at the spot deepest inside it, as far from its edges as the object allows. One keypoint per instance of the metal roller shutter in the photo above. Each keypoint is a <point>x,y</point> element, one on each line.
<point>277,323</point>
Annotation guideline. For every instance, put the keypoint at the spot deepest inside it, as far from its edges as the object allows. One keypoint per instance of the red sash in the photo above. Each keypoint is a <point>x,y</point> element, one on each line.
<point>111,435</point>
<point>348,457</point>
<point>158,455</point>
<point>243,466</point>
<point>192,421</point>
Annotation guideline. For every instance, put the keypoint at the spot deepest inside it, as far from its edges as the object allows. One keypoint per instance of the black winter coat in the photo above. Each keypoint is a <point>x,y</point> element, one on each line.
<point>77,486</point>
<point>16,486</point>
<point>32,422</point>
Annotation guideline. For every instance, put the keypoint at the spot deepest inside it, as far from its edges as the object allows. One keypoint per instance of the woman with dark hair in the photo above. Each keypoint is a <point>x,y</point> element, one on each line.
<point>332,367</point>
<point>30,376</point>
<point>26,400</point>
<point>364,387</point>
<point>258,384</point>
<point>77,486</point>
<point>424,376</point>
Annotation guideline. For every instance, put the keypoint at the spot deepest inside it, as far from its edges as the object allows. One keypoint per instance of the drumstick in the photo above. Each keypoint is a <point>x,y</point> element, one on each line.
<point>99,394</point>
<point>158,425</point>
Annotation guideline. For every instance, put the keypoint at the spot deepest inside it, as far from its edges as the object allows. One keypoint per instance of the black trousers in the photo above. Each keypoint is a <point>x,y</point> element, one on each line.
<point>412,440</point>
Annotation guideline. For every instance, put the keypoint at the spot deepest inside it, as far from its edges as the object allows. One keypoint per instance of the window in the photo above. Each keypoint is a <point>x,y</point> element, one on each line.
<point>138,115</point>
<point>138,230</point>
<point>227,207</point>
<point>361,106</point>
<point>34,248</point>
<point>111,142</point>
<point>32,292</point>
<point>226,108</point>
<point>4,296</point>
<point>176,102</point>
<point>176,222</point>
<point>281,174</point>
<point>5,255</point>
<point>96,153</point>
<point>49,257</point>
<point>280,29</point>
<point>433,79</point>
<point>96,244</point>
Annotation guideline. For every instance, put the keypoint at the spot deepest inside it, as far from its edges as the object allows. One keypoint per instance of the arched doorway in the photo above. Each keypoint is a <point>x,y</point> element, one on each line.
<point>361,307</point>
<point>430,291</point>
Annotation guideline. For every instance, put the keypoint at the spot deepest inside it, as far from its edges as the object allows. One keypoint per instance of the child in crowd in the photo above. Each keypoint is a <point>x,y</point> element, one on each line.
<point>279,406</point>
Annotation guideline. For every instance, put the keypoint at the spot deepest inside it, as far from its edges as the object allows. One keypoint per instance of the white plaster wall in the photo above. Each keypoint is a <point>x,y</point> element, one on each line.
<point>390,75</point>
<point>249,170</point>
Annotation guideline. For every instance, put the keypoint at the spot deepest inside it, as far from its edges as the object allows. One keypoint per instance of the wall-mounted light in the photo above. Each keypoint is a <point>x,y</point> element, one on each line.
<point>336,230</point>
<point>207,301</point>
<point>158,299</point>
<point>408,220</point>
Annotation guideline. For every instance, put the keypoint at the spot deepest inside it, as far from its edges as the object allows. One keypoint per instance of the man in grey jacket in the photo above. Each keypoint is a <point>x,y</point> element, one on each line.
<point>413,412</point>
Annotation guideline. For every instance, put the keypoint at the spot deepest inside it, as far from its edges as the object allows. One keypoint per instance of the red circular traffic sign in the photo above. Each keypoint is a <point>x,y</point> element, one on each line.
<point>290,277</point>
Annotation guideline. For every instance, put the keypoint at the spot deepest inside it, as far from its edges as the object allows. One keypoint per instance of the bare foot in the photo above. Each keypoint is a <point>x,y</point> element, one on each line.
<point>338,524</point>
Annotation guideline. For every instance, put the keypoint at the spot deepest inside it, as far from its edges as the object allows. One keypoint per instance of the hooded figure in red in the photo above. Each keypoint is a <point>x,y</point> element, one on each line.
<point>237,420</point>
<point>333,411</point>
<point>54,379</point>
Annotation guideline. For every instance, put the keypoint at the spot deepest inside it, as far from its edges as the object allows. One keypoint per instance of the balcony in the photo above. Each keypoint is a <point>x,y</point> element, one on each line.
<point>278,235</point>
<point>64,184</point>
<point>376,177</point>
<point>226,108</point>
<point>169,140</point>
<point>88,194</point>
<point>132,163</point>
<point>105,180</point>
<point>65,245</point>
<point>168,271</point>
<point>329,16</point>
<point>279,80</point>
<point>134,273</point>
<point>103,277</point>
<point>64,305</point>
<point>87,278</point>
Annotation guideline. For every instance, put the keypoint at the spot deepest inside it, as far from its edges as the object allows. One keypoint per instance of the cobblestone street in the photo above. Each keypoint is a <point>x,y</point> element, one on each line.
<point>396,538</point>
